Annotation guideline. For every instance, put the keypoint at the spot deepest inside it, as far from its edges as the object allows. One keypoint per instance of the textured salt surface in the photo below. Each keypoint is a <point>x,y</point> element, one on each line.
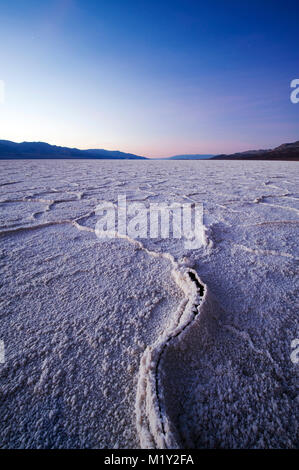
<point>109,344</point>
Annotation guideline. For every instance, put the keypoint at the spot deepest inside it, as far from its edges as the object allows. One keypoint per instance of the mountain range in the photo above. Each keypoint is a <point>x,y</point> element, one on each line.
<point>283,152</point>
<point>191,157</point>
<point>42,150</point>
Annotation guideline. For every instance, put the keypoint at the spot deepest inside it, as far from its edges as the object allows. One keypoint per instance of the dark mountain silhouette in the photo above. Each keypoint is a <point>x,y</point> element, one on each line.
<point>42,150</point>
<point>283,152</point>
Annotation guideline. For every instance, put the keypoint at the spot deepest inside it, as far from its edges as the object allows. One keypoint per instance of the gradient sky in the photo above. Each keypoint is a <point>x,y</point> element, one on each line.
<point>155,78</point>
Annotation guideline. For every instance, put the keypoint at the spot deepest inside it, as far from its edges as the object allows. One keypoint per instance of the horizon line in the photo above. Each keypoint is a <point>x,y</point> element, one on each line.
<point>132,153</point>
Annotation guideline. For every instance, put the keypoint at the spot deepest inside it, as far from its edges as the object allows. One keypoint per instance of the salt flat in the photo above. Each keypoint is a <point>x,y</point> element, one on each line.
<point>85,321</point>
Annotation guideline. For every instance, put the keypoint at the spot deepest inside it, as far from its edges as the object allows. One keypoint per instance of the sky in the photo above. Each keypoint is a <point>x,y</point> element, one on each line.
<point>154,78</point>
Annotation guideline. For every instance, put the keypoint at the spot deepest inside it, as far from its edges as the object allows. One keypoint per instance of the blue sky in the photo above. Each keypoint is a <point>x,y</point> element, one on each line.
<point>155,78</point>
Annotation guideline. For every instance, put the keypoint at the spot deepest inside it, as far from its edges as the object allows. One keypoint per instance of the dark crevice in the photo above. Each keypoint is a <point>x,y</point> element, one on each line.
<point>201,291</point>
<point>199,286</point>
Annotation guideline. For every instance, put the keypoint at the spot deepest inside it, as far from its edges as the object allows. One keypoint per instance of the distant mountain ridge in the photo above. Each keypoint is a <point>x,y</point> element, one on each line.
<point>42,150</point>
<point>287,152</point>
<point>191,157</point>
